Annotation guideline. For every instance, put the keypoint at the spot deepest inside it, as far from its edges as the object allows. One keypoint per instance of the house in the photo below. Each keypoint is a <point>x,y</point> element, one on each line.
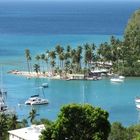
<point>28,133</point>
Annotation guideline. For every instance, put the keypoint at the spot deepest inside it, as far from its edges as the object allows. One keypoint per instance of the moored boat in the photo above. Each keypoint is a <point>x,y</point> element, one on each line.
<point>138,106</point>
<point>36,100</point>
<point>116,80</point>
<point>121,77</point>
<point>45,85</point>
<point>137,99</point>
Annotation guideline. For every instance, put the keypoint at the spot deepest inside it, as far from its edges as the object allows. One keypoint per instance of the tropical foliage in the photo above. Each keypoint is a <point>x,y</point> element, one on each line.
<point>124,54</point>
<point>119,132</point>
<point>9,122</point>
<point>78,122</point>
<point>63,60</point>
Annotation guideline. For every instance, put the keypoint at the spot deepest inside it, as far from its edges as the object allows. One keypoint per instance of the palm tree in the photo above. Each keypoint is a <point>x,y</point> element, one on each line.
<point>24,123</point>
<point>73,59</point>
<point>52,64</point>
<point>79,57</point>
<point>37,58</point>
<point>42,57</point>
<point>59,51</point>
<point>104,51</point>
<point>36,68</point>
<point>13,122</point>
<point>61,58</point>
<point>52,56</point>
<point>46,60</point>
<point>28,59</point>
<point>3,126</point>
<point>68,49</point>
<point>89,54</point>
<point>32,115</point>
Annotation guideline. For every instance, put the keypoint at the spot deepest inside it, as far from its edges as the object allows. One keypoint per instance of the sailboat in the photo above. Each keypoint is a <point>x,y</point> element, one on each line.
<point>3,106</point>
<point>3,94</point>
<point>117,78</point>
<point>36,100</point>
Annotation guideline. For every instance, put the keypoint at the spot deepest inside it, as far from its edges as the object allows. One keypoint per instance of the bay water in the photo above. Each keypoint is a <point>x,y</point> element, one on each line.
<point>42,25</point>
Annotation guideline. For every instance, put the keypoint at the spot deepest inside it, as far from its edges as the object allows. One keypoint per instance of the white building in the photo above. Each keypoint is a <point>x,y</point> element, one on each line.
<point>28,133</point>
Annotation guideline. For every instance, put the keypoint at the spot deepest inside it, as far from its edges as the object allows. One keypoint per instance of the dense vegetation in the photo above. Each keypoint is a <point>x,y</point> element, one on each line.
<point>132,45</point>
<point>124,54</point>
<point>78,122</point>
<point>84,122</point>
<point>9,122</point>
<point>119,132</point>
<point>60,60</point>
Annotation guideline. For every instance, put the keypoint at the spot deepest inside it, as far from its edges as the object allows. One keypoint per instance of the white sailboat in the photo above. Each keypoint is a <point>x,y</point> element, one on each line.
<point>36,100</point>
<point>3,94</point>
<point>137,100</point>
<point>45,85</point>
<point>117,78</point>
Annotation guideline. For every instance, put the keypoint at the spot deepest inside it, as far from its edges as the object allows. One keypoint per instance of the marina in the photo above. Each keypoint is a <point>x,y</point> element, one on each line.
<point>98,93</point>
<point>39,35</point>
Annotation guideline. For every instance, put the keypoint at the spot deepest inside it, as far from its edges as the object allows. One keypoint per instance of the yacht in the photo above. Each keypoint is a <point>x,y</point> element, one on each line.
<point>138,106</point>
<point>137,100</point>
<point>45,85</point>
<point>36,100</point>
<point>3,106</point>
<point>121,77</point>
<point>116,80</point>
<point>3,95</point>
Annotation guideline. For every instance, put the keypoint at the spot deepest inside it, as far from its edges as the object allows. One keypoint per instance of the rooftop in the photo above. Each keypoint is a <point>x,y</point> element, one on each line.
<point>28,133</point>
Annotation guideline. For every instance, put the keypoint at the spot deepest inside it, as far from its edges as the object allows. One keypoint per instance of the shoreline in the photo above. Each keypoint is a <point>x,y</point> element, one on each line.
<point>48,75</point>
<point>29,75</point>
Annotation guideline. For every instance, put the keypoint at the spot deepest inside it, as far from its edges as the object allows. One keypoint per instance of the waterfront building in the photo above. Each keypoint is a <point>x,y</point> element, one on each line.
<point>28,133</point>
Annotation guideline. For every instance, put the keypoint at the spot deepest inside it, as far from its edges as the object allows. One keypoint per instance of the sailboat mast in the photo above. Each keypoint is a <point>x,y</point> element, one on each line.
<point>83,94</point>
<point>1,84</point>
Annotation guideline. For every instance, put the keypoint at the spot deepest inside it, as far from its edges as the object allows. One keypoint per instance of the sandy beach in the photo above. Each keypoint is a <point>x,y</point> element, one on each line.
<point>34,74</point>
<point>49,75</point>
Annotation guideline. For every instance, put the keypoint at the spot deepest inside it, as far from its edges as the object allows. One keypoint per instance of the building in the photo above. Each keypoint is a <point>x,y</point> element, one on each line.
<point>28,133</point>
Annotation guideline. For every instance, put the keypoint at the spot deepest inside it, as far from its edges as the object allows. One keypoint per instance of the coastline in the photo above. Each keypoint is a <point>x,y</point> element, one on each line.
<point>48,75</point>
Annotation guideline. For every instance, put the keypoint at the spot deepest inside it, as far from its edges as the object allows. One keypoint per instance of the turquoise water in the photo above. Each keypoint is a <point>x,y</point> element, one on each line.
<point>12,47</point>
<point>117,99</point>
<point>40,26</point>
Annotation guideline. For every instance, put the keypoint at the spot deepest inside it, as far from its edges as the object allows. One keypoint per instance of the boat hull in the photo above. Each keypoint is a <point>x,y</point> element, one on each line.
<point>116,80</point>
<point>137,100</point>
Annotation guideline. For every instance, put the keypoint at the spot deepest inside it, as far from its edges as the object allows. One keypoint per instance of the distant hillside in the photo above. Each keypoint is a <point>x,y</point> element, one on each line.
<point>132,44</point>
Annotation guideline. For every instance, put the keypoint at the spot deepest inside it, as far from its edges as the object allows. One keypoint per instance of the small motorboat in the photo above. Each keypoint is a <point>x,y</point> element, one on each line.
<point>137,100</point>
<point>121,77</point>
<point>138,106</point>
<point>45,85</point>
<point>36,100</point>
<point>116,80</point>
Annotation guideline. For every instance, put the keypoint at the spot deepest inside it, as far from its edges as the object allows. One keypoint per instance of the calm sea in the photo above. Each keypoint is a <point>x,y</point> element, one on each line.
<point>43,18</point>
<point>42,25</point>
